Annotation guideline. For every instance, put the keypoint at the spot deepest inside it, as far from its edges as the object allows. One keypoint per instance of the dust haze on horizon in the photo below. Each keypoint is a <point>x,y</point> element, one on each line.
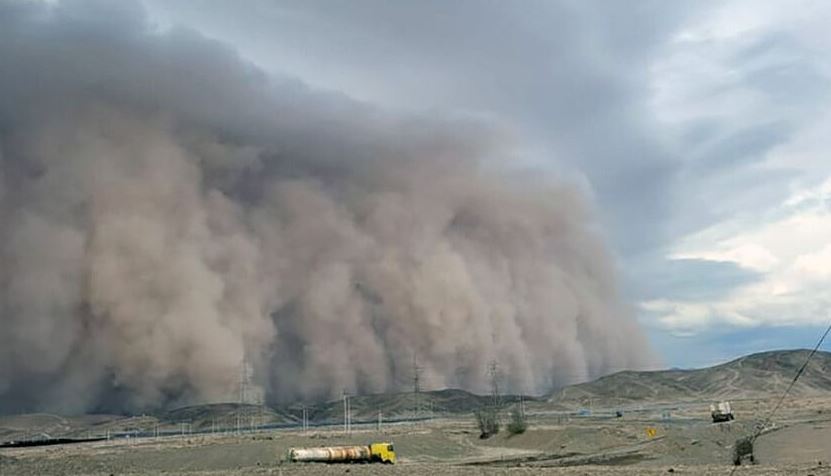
<point>168,210</point>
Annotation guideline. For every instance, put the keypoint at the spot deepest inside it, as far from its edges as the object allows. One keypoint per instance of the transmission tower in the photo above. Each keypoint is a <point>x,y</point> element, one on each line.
<point>243,382</point>
<point>417,370</point>
<point>493,374</point>
<point>347,413</point>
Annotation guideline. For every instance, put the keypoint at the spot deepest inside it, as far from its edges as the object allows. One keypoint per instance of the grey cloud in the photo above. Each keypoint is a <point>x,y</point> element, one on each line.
<point>741,148</point>
<point>574,77</point>
<point>571,76</point>
<point>726,156</point>
<point>691,279</point>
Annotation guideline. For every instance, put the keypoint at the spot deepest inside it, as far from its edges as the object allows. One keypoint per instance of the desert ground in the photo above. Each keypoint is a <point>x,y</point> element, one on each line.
<point>684,441</point>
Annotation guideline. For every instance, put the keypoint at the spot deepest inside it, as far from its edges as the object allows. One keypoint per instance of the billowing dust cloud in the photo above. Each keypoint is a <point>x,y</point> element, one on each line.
<point>168,211</point>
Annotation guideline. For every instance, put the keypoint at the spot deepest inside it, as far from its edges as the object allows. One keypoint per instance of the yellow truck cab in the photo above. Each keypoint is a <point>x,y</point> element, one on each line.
<point>383,452</point>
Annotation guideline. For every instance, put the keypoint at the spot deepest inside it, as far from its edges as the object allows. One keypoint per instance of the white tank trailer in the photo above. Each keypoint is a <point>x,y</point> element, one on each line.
<point>375,452</point>
<point>331,454</point>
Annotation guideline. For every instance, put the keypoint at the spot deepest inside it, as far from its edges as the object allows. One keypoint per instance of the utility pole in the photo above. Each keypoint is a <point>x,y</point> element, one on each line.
<point>493,373</point>
<point>261,419</point>
<point>305,420</point>
<point>417,370</point>
<point>521,405</point>
<point>243,380</point>
<point>243,376</point>
<point>346,423</point>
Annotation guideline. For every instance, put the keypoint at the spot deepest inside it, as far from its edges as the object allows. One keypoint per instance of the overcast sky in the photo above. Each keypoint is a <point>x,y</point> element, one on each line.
<point>699,129</point>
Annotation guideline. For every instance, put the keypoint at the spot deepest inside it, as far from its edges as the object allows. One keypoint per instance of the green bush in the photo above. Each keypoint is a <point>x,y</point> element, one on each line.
<point>518,422</point>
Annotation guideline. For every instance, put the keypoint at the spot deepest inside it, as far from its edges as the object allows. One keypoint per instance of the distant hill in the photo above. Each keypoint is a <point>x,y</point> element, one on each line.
<point>206,416</point>
<point>363,408</point>
<point>754,375</point>
<point>399,405</point>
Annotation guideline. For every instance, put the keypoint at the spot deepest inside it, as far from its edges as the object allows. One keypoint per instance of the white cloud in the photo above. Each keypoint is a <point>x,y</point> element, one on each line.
<point>689,318</point>
<point>815,266</point>
<point>746,254</point>
<point>793,251</point>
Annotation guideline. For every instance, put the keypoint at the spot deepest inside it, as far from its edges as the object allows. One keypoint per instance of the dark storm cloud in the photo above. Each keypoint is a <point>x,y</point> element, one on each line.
<point>680,117</point>
<point>574,76</point>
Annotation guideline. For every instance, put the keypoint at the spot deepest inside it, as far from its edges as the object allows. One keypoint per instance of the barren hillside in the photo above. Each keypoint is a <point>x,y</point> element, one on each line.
<point>754,375</point>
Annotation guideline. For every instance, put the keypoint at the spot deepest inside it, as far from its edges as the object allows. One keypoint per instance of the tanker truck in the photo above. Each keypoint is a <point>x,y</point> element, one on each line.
<point>372,453</point>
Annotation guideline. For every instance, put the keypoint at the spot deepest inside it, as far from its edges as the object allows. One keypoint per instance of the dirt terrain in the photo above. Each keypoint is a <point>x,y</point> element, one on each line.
<point>631,423</point>
<point>684,442</point>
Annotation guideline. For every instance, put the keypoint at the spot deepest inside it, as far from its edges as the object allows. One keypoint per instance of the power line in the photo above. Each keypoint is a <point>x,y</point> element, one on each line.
<point>795,378</point>
<point>799,372</point>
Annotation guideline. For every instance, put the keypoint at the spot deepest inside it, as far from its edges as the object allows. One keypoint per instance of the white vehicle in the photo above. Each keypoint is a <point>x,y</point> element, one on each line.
<point>721,412</point>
